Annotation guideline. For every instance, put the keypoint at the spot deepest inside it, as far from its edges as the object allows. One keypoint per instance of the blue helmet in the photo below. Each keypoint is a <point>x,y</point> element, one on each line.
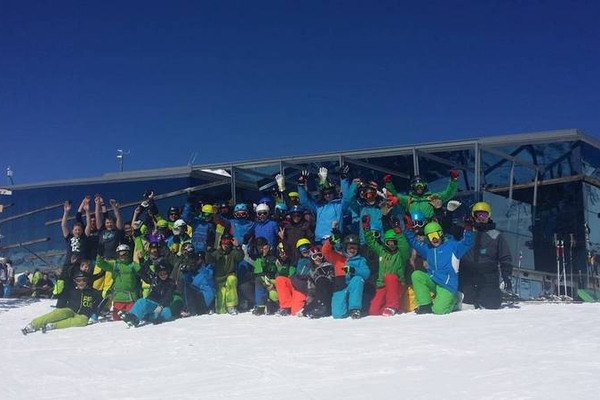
<point>282,207</point>
<point>418,218</point>
<point>266,200</point>
<point>240,207</point>
<point>296,209</point>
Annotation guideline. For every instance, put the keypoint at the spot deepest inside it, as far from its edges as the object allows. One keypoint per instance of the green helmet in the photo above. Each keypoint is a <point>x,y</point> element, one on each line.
<point>389,235</point>
<point>432,227</point>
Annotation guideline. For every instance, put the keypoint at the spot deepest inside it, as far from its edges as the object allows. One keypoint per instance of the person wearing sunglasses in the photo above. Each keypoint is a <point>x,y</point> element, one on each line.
<point>443,256</point>
<point>351,271</point>
<point>479,277</point>
<point>419,198</point>
<point>393,258</point>
<point>83,301</point>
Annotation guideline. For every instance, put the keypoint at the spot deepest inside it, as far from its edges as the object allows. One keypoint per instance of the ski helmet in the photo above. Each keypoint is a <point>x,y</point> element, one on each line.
<point>481,206</point>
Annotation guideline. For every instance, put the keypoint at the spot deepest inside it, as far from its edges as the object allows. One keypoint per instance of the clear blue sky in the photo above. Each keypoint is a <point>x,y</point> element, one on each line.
<point>240,80</point>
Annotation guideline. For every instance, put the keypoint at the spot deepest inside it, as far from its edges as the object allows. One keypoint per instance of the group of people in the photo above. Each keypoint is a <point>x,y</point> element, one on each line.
<point>350,249</point>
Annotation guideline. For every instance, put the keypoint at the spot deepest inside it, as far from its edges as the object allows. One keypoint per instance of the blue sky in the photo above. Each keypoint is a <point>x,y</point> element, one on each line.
<point>241,80</point>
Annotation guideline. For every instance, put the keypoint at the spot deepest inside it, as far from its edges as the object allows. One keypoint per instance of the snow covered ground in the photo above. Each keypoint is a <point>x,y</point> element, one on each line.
<point>539,351</point>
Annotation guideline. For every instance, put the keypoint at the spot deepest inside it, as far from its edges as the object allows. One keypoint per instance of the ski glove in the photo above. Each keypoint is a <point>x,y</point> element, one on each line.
<point>303,178</point>
<point>322,175</point>
<point>344,171</point>
<point>348,269</point>
<point>453,174</point>
<point>387,178</point>
<point>280,182</point>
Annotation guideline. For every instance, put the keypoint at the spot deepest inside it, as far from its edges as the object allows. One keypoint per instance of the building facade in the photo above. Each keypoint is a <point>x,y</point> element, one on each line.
<point>543,187</point>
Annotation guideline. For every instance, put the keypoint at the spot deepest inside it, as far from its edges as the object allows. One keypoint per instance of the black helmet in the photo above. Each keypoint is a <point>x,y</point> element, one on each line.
<point>418,181</point>
<point>260,242</point>
<point>80,275</point>
<point>174,210</point>
<point>163,266</point>
<point>351,239</point>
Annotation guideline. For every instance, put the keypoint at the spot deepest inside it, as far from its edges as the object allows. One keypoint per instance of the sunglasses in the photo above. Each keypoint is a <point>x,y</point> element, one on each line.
<point>262,213</point>
<point>80,280</point>
<point>327,193</point>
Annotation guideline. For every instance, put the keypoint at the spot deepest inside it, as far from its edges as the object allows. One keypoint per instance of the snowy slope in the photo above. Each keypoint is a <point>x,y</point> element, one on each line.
<point>540,351</point>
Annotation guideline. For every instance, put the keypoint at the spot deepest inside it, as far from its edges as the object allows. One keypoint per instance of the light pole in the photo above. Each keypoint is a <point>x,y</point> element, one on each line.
<point>121,156</point>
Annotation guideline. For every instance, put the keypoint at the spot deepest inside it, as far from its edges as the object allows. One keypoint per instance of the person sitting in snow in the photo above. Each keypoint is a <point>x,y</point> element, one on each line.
<point>155,308</point>
<point>351,271</point>
<point>81,304</point>
<point>443,257</point>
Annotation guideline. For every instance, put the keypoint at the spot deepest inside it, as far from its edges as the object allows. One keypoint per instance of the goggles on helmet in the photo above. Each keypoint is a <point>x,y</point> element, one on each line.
<point>206,215</point>
<point>419,185</point>
<point>418,224</point>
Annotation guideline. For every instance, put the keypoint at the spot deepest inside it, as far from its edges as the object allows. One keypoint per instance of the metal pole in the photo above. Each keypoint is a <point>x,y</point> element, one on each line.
<point>557,248</point>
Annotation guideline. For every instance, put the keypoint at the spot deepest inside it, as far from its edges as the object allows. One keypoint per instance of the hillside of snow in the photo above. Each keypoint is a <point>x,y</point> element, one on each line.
<point>537,351</point>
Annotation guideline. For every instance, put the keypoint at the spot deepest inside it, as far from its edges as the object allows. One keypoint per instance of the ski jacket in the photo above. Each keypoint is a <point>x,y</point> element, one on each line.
<point>161,291</point>
<point>339,261</point>
<point>125,278</point>
<point>443,261</point>
<point>204,282</point>
<point>390,263</point>
<point>413,202</point>
<point>489,251</point>
<point>224,263</point>
<point>325,213</point>
<point>84,301</point>
<point>267,229</point>
<point>291,234</point>
<point>240,228</point>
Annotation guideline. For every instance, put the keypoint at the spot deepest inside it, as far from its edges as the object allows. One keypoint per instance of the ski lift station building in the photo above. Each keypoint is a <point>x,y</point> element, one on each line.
<point>542,186</point>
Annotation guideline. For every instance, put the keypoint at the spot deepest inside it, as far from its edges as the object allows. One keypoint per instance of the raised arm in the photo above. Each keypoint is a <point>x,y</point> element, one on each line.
<point>64,221</point>
<point>117,211</point>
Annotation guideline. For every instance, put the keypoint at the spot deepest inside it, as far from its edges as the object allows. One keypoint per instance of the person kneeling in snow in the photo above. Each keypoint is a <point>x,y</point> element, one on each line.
<point>443,257</point>
<point>156,307</point>
<point>81,304</point>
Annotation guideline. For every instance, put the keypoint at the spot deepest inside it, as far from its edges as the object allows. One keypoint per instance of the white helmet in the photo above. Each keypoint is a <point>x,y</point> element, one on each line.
<point>122,247</point>
<point>262,207</point>
<point>179,224</point>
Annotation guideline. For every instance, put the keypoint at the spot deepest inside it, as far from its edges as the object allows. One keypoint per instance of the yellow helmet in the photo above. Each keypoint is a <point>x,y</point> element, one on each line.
<point>481,206</point>
<point>207,208</point>
<point>303,242</point>
<point>293,194</point>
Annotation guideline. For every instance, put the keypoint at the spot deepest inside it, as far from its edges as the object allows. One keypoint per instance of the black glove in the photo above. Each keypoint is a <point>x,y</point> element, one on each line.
<point>335,235</point>
<point>348,269</point>
<point>468,223</point>
<point>344,171</point>
<point>303,178</point>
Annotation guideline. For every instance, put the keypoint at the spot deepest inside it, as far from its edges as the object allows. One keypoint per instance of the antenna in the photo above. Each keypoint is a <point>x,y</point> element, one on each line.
<point>121,156</point>
<point>9,176</point>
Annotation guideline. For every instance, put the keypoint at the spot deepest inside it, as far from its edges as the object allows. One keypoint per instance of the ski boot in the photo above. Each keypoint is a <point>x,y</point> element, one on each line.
<point>355,314</point>
<point>426,309</point>
<point>258,310</point>
<point>48,327</point>
<point>283,312</point>
<point>388,312</point>
<point>28,329</point>
<point>129,319</point>
<point>232,311</point>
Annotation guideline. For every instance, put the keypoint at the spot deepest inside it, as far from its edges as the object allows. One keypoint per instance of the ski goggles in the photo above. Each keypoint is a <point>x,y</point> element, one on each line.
<point>206,215</point>
<point>303,249</point>
<point>261,213</point>
<point>316,256</point>
<point>481,214</point>
<point>418,224</point>
<point>434,236</point>
<point>419,186</point>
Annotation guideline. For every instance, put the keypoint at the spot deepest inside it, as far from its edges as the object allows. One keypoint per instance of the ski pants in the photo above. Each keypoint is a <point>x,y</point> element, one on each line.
<point>144,308</point>
<point>61,318</point>
<point>443,300</point>
<point>227,295</point>
<point>194,299</point>
<point>349,298</point>
<point>288,296</point>
<point>387,296</point>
